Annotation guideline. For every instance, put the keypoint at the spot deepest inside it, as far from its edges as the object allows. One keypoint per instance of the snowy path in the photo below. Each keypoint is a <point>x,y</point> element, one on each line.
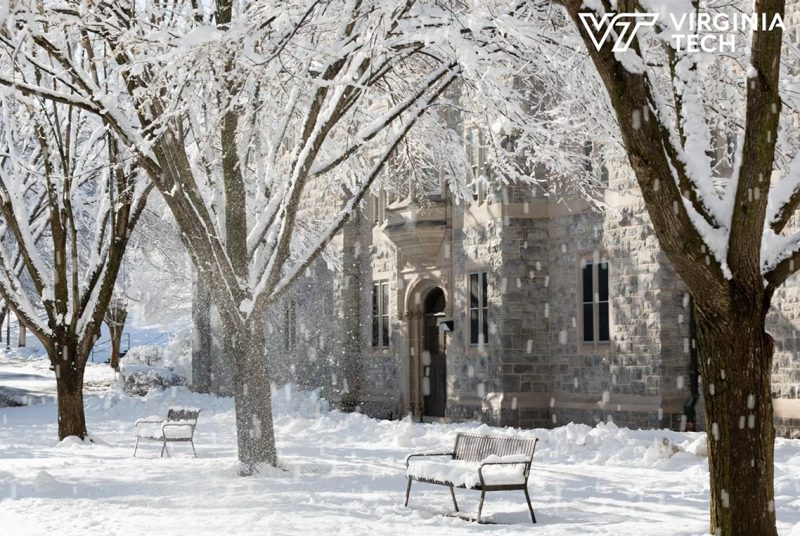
<point>344,475</point>
<point>30,381</point>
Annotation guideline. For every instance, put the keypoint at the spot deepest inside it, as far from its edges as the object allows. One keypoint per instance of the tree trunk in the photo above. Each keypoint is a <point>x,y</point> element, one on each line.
<point>115,317</point>
<point>22,340</point>
<point>3,313</point>
<point>245,350</point>
<point>202,340</point>
<point>736,363</point>
<point>116,342</point>
<point>351,274</point>
<point>69,386</point>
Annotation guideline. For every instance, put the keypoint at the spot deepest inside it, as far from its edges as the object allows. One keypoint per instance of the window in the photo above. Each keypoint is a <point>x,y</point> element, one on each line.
<point>478,308</point>
<point>476,161</point>
<point>377,207</point>
<point>594,302</point>
<point>373,209</point>
<point>589,151</point>
<point>730,150</point>
<point>603,172</point>
<point>380,315</point>
<point>289,326</point>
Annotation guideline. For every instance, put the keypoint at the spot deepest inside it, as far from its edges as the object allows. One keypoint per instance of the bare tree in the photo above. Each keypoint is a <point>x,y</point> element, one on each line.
<point>676,111</point>
<point>67,205</point>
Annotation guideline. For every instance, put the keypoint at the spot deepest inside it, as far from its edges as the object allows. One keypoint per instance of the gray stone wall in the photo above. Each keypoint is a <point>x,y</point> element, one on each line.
<point>534,370</point>
<point>381,367</point>
<point>783,323</point>
<point>210,372</point>
<point>633,379</point>
<point>784,319</point>
<point>326,350</point>
<point>476,370</point>
<point>310,361</point>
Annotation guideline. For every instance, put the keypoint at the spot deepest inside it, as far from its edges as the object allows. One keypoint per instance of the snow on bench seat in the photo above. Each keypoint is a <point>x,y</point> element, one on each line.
<point>462,473</point>
<point>179,430</point>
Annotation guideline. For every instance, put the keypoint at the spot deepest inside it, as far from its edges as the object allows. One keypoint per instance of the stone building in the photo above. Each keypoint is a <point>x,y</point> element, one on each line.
<point>513,309</point>
<point>519,311</point>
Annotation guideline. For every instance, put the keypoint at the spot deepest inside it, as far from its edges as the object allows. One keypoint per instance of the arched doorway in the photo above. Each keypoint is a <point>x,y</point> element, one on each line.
<point>434,361</point>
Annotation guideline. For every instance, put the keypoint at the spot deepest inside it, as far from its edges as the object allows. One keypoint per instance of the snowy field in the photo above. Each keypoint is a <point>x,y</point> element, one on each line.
<point>342,474</point>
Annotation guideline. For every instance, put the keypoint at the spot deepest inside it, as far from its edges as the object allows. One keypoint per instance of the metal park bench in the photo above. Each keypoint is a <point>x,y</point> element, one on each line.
<point>178,427</point>
<point>480,462</point>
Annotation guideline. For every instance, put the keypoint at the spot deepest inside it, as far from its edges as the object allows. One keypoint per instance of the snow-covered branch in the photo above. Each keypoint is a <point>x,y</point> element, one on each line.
<point>338,221</point>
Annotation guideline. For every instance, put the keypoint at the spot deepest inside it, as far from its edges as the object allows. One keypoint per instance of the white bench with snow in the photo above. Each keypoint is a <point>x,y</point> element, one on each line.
<point>177,427</point>
<point>479,462</point>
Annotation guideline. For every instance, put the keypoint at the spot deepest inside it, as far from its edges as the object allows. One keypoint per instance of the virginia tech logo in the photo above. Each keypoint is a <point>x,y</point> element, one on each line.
<point>621,27</point>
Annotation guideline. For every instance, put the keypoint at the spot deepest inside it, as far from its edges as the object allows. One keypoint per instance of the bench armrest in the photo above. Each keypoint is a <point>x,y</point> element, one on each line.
<point>421,454</point>
<point>526,463</point>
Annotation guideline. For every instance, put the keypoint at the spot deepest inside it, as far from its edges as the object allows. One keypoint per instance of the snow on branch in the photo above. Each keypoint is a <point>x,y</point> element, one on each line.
<point>356,197</point>
<point>69,197</point>
<point>784,197</point>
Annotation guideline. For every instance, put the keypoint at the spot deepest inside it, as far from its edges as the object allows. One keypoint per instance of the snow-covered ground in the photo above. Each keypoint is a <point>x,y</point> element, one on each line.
<point>343,474</point>
<point>25,377</point>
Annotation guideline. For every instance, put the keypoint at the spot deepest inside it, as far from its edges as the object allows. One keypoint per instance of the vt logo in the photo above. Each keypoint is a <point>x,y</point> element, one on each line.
<point>621,27</point>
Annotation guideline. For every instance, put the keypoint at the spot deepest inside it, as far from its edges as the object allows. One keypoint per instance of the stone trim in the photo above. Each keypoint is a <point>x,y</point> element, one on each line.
<point>480,215</point>
<point>638,403</point>
<point>786,408</point>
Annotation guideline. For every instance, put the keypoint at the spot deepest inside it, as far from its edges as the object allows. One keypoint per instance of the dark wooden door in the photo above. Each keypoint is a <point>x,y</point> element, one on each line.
<point>435,396</point>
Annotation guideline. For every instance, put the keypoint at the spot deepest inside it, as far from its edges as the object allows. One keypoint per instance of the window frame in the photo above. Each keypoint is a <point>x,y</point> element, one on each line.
<point>596,302</point>
<point>482,309</point>
<point>602,174</point>
<point>379,315</point>
<point>476,155</point>
<point>377,207</point>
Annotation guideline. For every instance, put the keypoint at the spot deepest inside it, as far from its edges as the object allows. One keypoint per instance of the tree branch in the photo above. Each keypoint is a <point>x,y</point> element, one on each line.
<point>758,152</point>
<point>642,133</point>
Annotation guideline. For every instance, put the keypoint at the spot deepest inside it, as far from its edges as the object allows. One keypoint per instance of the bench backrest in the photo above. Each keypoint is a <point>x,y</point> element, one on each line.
<point>182,414</point>
<point>475,447</point>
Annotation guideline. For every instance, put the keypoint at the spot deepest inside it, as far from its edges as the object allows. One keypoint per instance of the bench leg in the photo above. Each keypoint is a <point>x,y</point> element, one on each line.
<point>453,494</point>
<point>136,446</point>
<point>528,498</point>
<point>408,492</point>
<point>480,505</point>
<point>164,449</point>
<point>195,452</point>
